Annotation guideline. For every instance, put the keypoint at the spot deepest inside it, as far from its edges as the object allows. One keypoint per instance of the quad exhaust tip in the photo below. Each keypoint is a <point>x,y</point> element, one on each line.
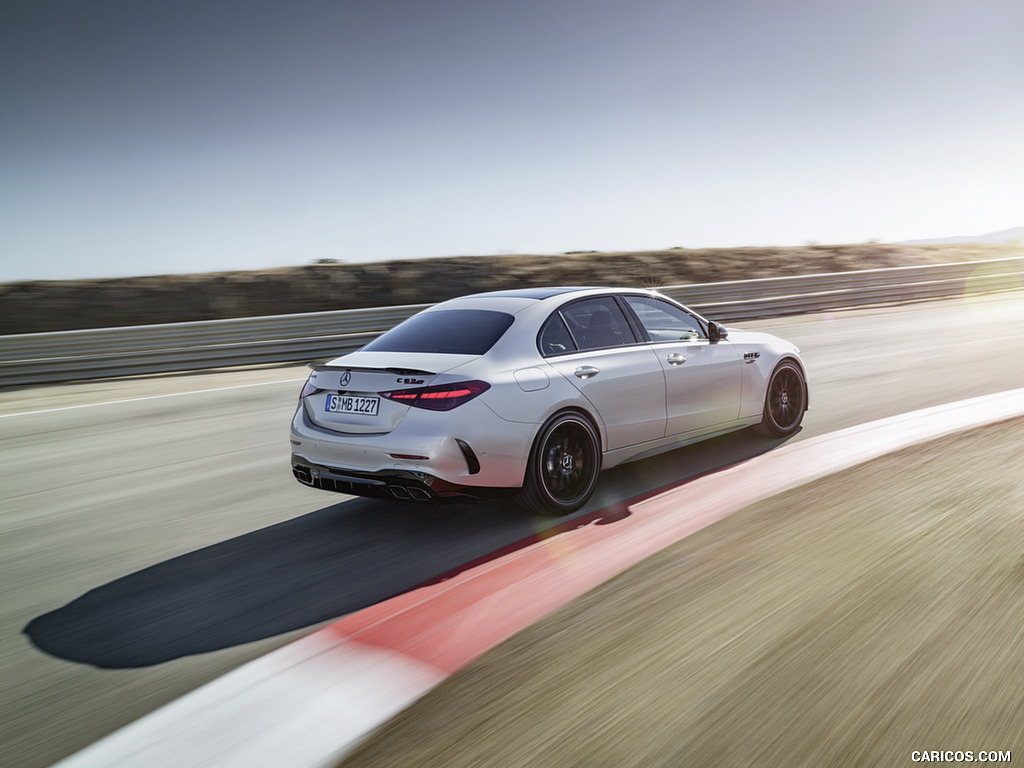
<point>410,493</point>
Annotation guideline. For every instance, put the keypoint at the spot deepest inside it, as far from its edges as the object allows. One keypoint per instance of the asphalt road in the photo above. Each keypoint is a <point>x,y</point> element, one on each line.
<point>150,545</point>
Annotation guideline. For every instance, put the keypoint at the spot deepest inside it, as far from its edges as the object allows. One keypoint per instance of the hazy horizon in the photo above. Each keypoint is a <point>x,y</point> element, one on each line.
<point>153,139</point>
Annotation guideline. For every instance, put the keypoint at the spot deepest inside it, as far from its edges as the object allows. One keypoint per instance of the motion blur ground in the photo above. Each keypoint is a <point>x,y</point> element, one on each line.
<point>58,305</point>
<point>852,621</point>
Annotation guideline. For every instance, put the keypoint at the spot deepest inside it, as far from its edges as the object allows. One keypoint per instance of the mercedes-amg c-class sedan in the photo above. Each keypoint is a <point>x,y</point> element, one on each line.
<point>532,393</point>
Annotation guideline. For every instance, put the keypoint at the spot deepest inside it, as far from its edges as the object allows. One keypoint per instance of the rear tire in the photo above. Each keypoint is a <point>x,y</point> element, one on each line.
<point>564,465</point>
<point>785,401</point>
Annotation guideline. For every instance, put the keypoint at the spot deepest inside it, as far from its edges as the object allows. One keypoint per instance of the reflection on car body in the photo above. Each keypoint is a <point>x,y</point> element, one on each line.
<point>532,393</point>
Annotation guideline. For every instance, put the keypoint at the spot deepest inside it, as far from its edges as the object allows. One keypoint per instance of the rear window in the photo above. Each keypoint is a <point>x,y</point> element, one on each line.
<point>446,331</point>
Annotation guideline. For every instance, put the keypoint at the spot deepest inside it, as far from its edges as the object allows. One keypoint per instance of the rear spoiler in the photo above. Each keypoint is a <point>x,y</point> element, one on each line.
<point>363,369</point>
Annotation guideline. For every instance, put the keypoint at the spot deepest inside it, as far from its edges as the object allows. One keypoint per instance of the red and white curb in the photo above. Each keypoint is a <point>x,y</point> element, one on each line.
<point>309,703</point>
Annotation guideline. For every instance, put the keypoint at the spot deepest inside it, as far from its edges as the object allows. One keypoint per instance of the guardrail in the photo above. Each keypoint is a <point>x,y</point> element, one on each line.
<point>34,358</point>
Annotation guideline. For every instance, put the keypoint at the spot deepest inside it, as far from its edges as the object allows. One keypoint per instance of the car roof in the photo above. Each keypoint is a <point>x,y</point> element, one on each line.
<point>528,293</point>
<point>516,300</point>
<point>542,294</point>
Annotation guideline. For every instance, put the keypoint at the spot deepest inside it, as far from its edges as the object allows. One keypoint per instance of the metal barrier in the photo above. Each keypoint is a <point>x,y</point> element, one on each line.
<point>34,358</point>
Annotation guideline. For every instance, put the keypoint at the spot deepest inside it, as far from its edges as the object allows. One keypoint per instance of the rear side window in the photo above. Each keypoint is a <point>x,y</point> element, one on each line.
<point>596,323</point>
<point>555,338</point>
<point>446,331</point>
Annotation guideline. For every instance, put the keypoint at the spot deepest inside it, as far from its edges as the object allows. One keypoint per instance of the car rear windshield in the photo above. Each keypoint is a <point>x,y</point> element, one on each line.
<point>447,331</point>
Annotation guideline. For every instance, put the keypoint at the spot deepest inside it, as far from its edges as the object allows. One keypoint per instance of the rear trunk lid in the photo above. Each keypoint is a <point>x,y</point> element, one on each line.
<point>348,397</point>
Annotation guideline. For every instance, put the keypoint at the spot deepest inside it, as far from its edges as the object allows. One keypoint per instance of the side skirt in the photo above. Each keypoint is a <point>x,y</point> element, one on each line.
<point>654,447</point>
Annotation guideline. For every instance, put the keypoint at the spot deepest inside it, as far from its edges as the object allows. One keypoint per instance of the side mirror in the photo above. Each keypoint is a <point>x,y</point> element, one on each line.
<point>717,332</point>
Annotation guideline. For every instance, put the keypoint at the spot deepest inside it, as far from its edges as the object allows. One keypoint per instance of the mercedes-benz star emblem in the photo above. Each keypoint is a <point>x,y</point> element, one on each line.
<point>346,377</point>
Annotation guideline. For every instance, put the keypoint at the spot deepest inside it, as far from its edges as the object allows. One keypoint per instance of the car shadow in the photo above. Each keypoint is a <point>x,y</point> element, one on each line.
<point>330,563</point>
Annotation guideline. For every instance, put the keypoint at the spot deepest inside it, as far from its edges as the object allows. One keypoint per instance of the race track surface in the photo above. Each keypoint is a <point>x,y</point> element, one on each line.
<point>150,545</point>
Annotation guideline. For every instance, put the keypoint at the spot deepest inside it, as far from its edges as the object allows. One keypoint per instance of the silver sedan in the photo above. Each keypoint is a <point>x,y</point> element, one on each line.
<point>532,392</point>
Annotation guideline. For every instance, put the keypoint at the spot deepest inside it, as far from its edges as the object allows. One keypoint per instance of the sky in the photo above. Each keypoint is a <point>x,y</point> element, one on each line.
<point>201,135</point>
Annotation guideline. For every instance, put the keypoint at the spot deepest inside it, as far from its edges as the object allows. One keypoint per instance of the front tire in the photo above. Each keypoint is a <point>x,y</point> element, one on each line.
<point>785,401</point>
<point>564,465</point>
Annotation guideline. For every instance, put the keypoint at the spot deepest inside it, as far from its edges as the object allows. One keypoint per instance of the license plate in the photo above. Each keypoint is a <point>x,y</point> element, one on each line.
<point>364,406</point>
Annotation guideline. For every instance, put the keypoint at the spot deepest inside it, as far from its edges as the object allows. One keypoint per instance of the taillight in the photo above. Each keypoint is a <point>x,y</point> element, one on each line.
<point>441,397</point>
<point>309,389</point>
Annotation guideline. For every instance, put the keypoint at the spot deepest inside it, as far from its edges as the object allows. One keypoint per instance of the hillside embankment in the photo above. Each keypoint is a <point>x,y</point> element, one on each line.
<point>37,306</point>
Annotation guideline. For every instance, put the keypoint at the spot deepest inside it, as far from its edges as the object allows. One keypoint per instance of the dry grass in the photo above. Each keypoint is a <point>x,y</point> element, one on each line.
<point>29,307</point>
<point>846,623</point>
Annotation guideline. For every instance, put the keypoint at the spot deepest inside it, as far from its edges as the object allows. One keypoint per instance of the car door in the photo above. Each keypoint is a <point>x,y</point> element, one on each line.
<point>591,344</point>
<point>702,377</point>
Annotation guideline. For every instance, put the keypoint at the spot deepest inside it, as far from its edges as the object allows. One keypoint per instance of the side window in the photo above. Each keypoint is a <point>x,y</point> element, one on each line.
<point>664,321</point>
<point>597,323</point>
<point>554,337</point>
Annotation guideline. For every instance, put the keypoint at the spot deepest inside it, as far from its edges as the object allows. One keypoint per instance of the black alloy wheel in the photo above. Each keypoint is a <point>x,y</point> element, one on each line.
<point>564,465</point>
<point>785,401</point>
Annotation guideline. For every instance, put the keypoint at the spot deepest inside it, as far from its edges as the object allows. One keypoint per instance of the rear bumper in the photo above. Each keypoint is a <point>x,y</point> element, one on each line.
<point>474,448</point>
<point>403,485</point>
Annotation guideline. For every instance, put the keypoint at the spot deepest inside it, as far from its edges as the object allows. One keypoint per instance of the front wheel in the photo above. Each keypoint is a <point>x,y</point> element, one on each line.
<point>784,402</point>
<point>564,464</point>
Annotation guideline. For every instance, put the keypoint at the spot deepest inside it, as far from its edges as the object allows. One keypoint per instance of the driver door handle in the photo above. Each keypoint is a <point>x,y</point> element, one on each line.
<point>586,371</point>
<point>676,359</point>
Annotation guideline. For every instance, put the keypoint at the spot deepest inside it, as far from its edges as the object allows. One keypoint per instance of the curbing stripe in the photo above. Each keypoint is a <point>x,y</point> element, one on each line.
<point>307,704</point>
